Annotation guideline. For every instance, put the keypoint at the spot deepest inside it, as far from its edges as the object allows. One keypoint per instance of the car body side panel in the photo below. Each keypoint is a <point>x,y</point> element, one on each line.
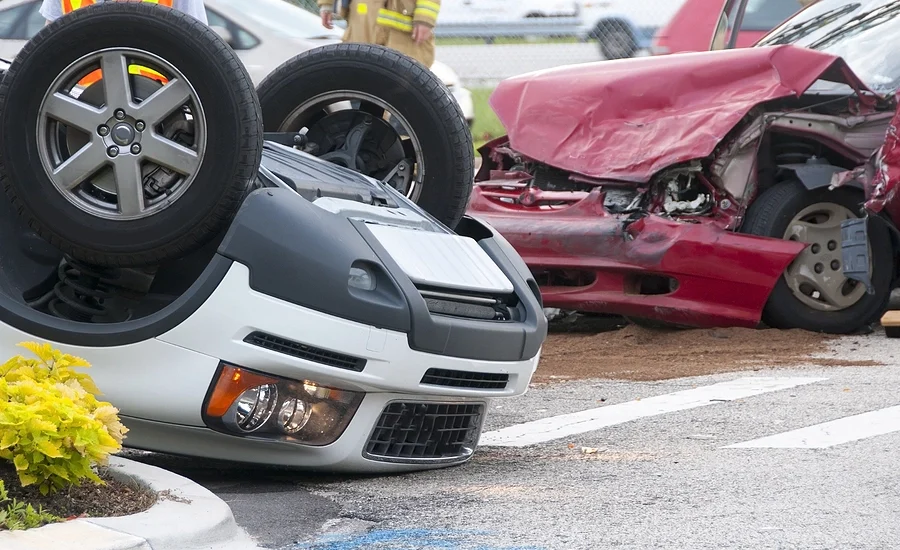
<point>883,194</point>
<point>628,119</point>
<point>724,278</point>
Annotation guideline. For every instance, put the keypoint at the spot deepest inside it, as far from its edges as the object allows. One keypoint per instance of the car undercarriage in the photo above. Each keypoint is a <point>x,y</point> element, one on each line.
<point>256,275</point>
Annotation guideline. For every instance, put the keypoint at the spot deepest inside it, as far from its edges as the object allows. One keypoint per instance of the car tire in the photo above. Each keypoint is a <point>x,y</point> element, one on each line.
<point>408,88</point>
<point>615,41</point>
<point>774,212</point>
<point>227,124</point>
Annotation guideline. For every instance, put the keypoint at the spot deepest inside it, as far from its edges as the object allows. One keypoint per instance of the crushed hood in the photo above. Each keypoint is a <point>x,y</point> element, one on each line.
<point>628,119</point>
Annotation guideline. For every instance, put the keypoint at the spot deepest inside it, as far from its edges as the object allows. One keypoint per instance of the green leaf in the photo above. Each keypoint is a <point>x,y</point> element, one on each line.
<point>49,449</point>
<point>21,463</point>
<point>27,479</point>
<point>9,439</point>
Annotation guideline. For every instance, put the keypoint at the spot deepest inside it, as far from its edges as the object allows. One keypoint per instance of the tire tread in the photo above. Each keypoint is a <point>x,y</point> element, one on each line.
<point>450,203</point>
<point>241,91</point>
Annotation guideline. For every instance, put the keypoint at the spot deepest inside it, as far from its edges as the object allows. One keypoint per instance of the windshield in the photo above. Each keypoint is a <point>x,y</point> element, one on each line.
<point>861,32</point>
<point>280,17</point>
<point>765,15</point>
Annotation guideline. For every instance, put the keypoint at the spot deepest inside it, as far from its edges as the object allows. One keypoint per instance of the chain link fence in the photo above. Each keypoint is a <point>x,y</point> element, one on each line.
<point>310,5</point>
<point>486,41</point>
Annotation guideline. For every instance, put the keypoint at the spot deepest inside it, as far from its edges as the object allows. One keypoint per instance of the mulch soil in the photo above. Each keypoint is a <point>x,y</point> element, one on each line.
<point>115,498</point>
<point>641,354</point>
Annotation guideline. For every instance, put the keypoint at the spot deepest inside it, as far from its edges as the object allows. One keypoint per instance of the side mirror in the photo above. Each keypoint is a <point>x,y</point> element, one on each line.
<point>224,33</point>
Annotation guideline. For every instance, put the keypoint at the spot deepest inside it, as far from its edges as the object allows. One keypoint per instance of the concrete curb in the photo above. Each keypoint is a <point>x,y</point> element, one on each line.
<point>188,517</point>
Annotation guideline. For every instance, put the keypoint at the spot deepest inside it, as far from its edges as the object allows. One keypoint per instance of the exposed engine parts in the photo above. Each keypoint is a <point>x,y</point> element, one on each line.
<point>620,201</point>
<point>684,192</point>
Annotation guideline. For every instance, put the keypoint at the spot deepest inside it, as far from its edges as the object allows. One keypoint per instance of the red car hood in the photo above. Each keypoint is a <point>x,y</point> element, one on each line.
<point>628,119</point>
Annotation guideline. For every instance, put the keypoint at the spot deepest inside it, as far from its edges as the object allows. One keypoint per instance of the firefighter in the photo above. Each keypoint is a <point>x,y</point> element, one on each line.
<point>54,9</point>
<point>404,25</point>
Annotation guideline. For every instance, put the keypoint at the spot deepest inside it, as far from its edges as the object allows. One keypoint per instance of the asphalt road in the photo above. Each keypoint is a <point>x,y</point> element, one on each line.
<point>485,65</point>
<point>646,468</point>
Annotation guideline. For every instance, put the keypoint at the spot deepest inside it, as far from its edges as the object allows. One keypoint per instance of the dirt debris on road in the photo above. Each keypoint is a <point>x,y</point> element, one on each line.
<point>641,354</point>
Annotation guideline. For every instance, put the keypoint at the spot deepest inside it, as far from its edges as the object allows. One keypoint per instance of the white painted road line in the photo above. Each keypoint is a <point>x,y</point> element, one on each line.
<point>556,427</point>
<point>829,434</point>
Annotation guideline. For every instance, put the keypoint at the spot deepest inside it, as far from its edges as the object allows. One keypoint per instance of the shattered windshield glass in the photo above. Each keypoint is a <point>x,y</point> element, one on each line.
<point>861,32</point>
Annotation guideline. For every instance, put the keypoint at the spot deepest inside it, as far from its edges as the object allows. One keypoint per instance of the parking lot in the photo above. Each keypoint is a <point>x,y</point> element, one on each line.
<point>337,294</point>
<point>737,455</point>
<point>485,65</point>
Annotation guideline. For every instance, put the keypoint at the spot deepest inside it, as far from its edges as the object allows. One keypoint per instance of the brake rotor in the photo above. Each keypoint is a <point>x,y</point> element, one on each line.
<point>378,152</point>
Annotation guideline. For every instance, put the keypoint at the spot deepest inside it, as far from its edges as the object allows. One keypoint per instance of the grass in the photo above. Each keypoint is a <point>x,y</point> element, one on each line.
<point>487,126</point>
<point>461,41</point>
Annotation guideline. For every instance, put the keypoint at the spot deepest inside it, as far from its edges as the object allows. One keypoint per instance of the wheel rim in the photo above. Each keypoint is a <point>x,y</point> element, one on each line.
<point>353,129</point>
<point>125,147</point>
<point>816,276</point>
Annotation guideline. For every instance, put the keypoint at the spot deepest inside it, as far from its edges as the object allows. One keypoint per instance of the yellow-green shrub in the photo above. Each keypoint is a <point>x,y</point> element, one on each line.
<point>52,427</point>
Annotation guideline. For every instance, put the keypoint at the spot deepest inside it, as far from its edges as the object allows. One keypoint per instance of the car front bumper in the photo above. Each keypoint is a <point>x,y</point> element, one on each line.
<point>392,377</point>
<point>693,273</point>
<point>283,310</point>
<point>348,454</point>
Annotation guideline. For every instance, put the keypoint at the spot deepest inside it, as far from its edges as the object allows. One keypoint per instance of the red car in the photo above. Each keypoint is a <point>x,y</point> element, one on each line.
<point>689,30</point>
<point>695,188</point>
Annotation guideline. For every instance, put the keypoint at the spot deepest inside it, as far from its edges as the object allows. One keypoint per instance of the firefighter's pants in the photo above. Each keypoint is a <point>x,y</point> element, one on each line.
<point>362,27</point>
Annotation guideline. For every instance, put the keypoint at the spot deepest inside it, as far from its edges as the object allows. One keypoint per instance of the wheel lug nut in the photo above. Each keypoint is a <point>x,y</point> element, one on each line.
<point>819,268</point>
<point>816,248</point>
<point>135,149</point>
<point>103,130</point>
<point>139,125</point>
<point>120,114</point>
<point>113,151</point>
<point>835,265</point>
<point>832,245</point>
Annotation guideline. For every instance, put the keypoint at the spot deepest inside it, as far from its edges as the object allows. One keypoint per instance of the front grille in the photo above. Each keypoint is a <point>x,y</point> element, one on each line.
<point>468,306</point>
<point>465,379</point>
<point>438,432</point>
<point>303,351</point>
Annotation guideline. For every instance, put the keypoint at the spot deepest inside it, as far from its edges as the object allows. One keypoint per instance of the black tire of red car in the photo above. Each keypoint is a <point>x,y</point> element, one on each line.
<point>770,216</point>
<point>408,88</point>
<point>223,175</point>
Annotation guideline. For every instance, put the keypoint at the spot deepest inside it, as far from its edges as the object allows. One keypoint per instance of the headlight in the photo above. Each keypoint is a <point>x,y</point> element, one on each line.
<point>254,407</point>
<point>244,402</point>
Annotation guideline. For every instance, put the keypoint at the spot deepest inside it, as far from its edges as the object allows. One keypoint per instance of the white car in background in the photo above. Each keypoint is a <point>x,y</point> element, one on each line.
<point>264,34</point>
<point>463,12</point>
<point>624,27</point>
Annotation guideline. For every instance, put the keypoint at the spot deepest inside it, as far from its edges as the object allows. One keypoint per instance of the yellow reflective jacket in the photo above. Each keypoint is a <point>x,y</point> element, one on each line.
<point>72,5</point>
<point>399,14</point>
<point>69,6</point>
